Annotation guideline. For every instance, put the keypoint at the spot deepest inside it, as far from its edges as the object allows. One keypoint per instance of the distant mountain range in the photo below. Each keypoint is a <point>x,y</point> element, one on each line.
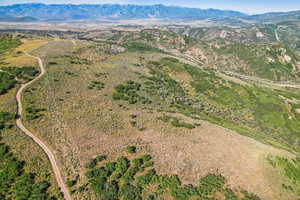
<point>65,12</point>
<point>110,11</point>
<point>275,16</point>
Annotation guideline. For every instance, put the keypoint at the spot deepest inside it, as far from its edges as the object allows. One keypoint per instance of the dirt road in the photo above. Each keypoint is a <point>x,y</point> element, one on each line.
<point>46,149</point>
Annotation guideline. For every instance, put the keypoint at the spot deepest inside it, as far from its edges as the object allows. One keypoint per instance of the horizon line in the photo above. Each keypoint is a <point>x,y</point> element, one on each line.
<point>135,4</point>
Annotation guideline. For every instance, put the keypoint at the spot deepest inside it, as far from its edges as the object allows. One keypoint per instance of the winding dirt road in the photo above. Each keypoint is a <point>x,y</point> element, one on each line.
<point>46,149</point>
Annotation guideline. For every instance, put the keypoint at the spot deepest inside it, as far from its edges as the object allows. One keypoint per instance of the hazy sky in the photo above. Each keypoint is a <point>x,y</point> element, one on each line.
<point>249,6</point>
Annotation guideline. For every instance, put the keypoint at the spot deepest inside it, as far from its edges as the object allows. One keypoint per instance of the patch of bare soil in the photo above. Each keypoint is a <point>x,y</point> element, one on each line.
<point>210,148</point>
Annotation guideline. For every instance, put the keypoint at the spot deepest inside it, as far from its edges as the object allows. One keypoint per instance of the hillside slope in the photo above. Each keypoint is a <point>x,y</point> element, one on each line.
<point>129,91</point>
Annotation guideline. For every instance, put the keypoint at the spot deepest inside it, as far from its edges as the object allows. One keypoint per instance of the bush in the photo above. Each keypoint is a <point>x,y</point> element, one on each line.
<point>131,192</point>
<point>6,82</point>
<point>6,120</point>
<point>131,149</point>
<point>15,182</point>
<point>71,183</point>
<point>122,165</point>
<point>146,179</point>
<point>211,183</point>
<point>128,92</point>
<point>177,123</point>
<point>91,164</point>
<point>129,175</point>
<point>7,43</point>
<point>141,47</point>
<point>184,193</point>
<point>100,158</point>
<point>96,85</point>
<point>121,179</point>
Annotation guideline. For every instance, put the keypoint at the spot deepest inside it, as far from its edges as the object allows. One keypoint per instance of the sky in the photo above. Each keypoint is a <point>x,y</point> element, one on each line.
<point>247,6</point>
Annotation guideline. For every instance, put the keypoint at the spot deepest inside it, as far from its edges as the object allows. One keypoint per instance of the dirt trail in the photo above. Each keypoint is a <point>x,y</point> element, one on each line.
<point>46,149</point>
<point>276,35</point>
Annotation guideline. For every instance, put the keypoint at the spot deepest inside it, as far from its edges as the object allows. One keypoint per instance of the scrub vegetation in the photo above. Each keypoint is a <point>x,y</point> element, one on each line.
<point>136,179</point>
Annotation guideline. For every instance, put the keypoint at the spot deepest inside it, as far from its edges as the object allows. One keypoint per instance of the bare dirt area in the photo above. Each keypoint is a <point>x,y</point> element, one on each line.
<point>210,148</point>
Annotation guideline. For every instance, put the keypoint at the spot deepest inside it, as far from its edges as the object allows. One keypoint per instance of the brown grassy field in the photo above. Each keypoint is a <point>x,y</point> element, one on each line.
<point>79,123</point>
<point>16,57</point>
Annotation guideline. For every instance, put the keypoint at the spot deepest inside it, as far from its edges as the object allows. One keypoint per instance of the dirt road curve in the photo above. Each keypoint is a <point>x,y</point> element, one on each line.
<point>50,155</point>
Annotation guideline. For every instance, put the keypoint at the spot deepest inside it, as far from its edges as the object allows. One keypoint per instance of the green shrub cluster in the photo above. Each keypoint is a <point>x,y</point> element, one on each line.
<point>291,170</point>
<point>33,113</point>
<point>176,122</point>
<point>131,149</point>
<point>71,73</point>
<point>8,76</point>
<point>140,47</point>
<point>129,92</point>
<point>132,180</point>
<point>6,119</point>
<point>6,82</point>
<point>77,61</point>
<point>16,183</point>
<point>7,43</point>
<point>94,161</point>
<point>24,73</point>
<point>162,84</point>
<point>96,85</point>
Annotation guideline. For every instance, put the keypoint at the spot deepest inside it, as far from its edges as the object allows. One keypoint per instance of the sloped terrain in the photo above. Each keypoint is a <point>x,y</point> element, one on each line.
<point>97,98</point>
<point>151,114</point>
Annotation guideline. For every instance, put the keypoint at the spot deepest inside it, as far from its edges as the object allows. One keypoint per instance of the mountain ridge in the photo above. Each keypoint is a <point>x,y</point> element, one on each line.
<point>112,11</point>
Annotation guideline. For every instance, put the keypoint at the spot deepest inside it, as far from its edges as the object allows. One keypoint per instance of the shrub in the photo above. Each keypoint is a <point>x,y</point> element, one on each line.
<point>122,165</point>
<point>71,183</point>
<point>6,120</point>
<point>129,175</point>
<point>6,82</point>
<point>146,179</point>
<point>15,182</point>
<point>100,158</point>
<point>131,192</point>
<point>211,183</point>
<point>184,193</point>
<point>91,164</point>
<point>131,149</point>
<point>177,123</point>
<point>229,195</point>
<point>129,92</point>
